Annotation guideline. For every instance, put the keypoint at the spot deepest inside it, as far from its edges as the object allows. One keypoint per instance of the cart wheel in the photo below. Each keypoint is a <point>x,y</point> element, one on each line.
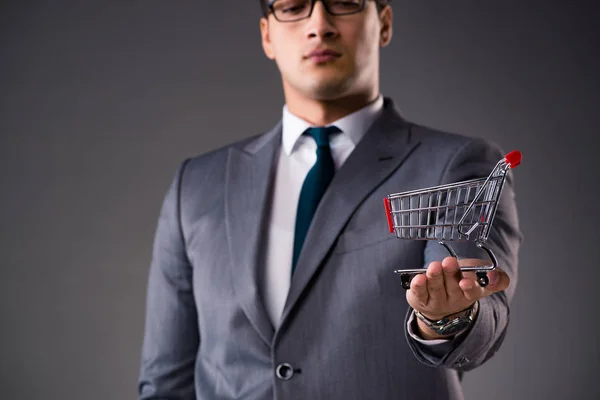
<point>405,279</point>
<point>482,278</point>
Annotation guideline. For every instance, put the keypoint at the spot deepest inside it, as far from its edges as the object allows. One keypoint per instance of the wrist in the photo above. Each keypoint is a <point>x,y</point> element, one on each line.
<point>448,325</point>
<point>424,332</point>
<point>439,317</point>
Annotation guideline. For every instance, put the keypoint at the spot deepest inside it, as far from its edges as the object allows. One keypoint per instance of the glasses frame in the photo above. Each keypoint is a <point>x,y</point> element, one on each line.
<point>312,6</point>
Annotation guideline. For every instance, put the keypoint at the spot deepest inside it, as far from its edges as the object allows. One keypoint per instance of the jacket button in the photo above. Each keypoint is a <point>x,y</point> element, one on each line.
<point>284,371</point>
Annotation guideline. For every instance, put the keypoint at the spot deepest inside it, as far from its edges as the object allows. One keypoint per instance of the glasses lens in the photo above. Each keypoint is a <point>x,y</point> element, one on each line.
<point>339,7</point>
<point>289,10</point>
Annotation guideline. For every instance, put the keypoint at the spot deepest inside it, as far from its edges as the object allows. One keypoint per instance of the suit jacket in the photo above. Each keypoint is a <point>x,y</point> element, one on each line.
<point>343,329</point>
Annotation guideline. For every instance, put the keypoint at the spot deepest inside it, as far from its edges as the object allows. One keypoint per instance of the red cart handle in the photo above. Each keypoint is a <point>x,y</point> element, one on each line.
<point>388,213</point>
<point>513,158</point>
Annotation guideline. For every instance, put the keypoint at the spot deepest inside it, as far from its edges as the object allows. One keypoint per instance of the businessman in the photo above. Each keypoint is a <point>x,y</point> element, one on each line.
<point>272,267</point>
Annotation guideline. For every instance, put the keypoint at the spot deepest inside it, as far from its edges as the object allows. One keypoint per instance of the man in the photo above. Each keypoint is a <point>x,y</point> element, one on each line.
<point>272,271</point>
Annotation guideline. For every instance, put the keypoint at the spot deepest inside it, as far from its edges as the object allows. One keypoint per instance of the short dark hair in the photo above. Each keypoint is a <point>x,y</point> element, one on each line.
<point>265,8</point>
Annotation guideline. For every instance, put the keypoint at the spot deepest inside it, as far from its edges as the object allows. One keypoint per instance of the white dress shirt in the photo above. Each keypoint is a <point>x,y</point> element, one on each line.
<point>296,158</point>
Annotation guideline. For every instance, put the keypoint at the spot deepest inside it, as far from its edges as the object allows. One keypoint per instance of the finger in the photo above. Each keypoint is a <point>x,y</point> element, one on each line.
<point>418,287</point>
<point>452,277</point>
<point>499,280</point>
<point>471,289</point>
<point>435,283</point>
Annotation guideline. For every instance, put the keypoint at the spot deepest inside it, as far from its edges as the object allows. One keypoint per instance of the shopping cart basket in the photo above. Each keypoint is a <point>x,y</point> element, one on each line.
<point>456,212</point>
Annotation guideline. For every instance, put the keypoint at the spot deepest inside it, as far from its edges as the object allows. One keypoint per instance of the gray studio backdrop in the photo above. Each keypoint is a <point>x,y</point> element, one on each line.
<point>100,101</point>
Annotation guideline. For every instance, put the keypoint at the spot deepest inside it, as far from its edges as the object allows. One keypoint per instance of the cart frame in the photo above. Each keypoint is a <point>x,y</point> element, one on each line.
<point>456,212</point>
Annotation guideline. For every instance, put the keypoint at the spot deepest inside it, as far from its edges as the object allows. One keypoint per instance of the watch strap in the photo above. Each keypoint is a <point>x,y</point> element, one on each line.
<point>452,322</point>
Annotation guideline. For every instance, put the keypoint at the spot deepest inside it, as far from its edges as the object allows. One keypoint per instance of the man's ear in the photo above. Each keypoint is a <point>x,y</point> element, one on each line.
<point>385,34</point>
<point>266,38</point>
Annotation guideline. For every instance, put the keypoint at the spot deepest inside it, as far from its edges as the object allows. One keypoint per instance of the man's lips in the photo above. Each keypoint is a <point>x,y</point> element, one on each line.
<point>323,55</point>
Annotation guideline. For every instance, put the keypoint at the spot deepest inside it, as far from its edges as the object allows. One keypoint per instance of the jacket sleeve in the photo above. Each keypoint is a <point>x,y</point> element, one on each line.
<point>171,336</point>
<point>476,159</point>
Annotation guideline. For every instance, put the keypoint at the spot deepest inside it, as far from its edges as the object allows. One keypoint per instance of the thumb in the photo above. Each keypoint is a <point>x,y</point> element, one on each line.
<point>499,280</point>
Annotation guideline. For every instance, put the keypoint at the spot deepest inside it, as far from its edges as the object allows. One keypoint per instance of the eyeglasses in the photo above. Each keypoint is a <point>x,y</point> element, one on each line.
<point>296,10</point>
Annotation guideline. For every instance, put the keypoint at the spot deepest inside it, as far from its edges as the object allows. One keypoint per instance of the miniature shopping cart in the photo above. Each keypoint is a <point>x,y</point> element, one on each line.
<point>456,212</point>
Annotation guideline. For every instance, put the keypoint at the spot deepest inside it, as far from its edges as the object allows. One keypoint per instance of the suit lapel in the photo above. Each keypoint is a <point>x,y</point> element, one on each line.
<point>381,151</point>
<point>248,178</point>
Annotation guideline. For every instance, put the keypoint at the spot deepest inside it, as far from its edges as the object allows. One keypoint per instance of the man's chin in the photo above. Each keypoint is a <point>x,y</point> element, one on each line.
<point>329,87</point>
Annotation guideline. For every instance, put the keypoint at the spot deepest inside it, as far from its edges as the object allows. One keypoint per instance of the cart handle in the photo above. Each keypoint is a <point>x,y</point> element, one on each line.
<point>388,213</point>
<point>513,159</point>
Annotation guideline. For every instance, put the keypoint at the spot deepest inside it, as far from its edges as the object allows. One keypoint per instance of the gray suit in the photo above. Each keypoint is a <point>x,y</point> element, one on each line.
<point>343,329</point>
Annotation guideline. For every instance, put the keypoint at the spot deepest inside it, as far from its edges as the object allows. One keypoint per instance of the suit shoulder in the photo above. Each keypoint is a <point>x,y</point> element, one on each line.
<point>222,150</point>
<point>451,143</point>
<point>435,135</point>
<point>217,157</point>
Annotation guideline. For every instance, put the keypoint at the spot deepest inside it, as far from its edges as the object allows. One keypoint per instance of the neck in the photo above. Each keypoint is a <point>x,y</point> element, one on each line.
<point>319,112</point>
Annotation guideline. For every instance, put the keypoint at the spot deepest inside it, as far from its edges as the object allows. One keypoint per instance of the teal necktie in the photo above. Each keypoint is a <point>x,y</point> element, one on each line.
<point>314,186</point>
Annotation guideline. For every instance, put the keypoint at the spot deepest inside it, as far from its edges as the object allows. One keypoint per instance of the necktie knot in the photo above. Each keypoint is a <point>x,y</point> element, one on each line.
<point>321,134</point>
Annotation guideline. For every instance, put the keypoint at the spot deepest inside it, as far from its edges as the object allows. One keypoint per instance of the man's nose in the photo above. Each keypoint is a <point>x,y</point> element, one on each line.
<point>320,24</point>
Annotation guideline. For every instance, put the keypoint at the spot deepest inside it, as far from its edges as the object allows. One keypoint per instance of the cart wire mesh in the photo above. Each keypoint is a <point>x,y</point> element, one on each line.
<point>450,213</point>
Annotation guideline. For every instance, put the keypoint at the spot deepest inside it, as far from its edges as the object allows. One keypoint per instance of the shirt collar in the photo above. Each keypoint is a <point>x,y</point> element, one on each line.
<point>354,125</point>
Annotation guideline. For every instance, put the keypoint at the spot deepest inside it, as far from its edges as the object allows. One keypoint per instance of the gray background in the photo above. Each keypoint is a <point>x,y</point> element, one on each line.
<point>100,100</point>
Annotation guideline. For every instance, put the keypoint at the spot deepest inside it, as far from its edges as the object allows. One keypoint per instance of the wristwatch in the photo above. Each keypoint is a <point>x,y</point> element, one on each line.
<point>453,323</point>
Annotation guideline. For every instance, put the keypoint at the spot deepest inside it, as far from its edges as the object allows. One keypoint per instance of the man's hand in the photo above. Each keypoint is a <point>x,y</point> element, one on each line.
<point>444,289</point>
